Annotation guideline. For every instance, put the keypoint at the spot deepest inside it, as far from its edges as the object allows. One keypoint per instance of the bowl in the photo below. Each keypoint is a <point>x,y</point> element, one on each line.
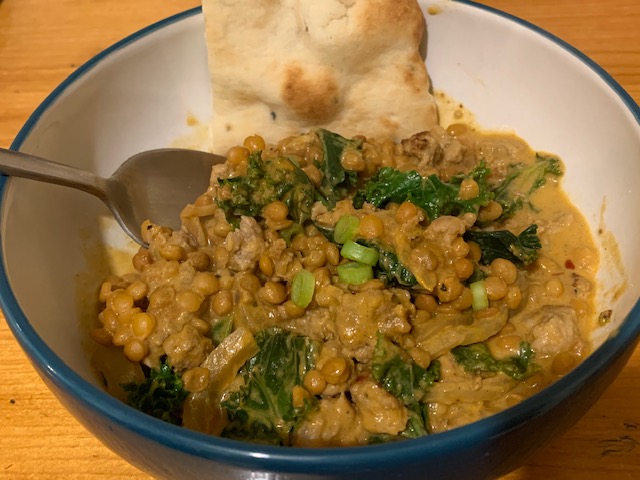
<point>534,84</point>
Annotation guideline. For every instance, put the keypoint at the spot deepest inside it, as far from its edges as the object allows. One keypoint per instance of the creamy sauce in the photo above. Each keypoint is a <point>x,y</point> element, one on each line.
<point>451,111</point>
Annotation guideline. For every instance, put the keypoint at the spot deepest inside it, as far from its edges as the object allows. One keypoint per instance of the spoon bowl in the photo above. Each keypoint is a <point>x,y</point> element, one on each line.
<point>152,185</point>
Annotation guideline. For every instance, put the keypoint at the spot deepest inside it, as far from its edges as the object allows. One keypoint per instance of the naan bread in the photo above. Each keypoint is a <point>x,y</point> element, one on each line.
<point>281,67</point>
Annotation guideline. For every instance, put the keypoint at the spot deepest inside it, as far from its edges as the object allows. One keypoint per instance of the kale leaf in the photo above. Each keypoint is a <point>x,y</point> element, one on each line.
<point>434,196</point>
<point>160,395</point>
<point>417,426</point>
<point>262,409</point>
<point>418,422</point>
<point>281,178</point>
<point>399,375</point>
<point>477,358</point>
<point>389,269</point>
<point>336,180</point>
<point>266,181</point>
<point>522,180</point>
<point>388,185</point>
<point>328,232</point>
<point>519,249</point>
<point>393,368</point>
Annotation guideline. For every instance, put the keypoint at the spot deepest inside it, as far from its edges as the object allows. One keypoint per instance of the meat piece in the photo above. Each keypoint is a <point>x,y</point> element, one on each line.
<point>361,315</point>
<point>444,230</point>
<point>334,423</point>
<point>187,348</point>
<point>381,412</point>
<point>321,215</point>
<point>218,171</point>
<point>286,262</point>
<point>246,244</point>
<point>552,329</point>
<point>436,149</point>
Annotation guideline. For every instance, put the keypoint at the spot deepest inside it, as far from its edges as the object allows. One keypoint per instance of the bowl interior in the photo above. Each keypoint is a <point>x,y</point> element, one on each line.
<point>56,242</point>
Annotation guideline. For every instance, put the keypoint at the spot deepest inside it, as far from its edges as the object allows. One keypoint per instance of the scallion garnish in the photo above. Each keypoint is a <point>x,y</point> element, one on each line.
<point>359,253</point>
<point>346,228</point>
<point>479,295</point>
<point>302,288</point>
<point>355,273</point>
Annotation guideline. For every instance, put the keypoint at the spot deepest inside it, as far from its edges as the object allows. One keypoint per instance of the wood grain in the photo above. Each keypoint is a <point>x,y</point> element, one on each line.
<point>42,42</point>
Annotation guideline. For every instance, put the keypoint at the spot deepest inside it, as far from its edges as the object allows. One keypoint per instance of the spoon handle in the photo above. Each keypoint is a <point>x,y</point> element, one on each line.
<point>24,165</point>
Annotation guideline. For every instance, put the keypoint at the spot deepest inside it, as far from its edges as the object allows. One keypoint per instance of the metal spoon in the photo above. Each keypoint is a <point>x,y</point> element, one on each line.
<point>154,185</point>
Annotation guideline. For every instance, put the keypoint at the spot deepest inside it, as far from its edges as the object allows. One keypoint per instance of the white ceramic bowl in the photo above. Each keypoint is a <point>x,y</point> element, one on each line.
<point>138,95</point>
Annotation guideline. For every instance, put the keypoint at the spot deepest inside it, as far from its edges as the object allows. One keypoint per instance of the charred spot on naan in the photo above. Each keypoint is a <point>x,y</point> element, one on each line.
<point>312,95</point>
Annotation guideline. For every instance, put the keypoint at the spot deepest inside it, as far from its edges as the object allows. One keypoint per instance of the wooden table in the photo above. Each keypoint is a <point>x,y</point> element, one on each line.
<point>43,41</point>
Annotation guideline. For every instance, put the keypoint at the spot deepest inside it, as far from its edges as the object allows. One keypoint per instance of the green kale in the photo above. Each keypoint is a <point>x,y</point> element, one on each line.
<point>262,409</point>
<point>388,185</point>
<point>160,395</point>
<point>266,181</point>
<point>522,180</point>
<point>417,426</point>
<point>519,249</point>
<point>336,180</point>
<point>281,178</point>
<point>434,196</point>
<point>418,422</point>
<point>393,368</point>
<point>477,358</point>
<point>326,231</point>
<point>389,269</point>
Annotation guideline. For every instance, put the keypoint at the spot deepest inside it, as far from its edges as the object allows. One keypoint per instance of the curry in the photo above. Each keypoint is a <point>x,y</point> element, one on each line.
<point>330,291</point>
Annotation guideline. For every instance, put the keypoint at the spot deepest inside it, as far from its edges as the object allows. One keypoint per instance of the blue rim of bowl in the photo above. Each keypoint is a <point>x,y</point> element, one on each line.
<point>321,460</point>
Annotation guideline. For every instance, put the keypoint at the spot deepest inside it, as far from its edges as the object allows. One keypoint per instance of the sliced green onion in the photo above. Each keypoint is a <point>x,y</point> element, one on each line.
<point>354,273</point>
<point>346,228</point>
<point>479,295</point>
<point>302,287</point>
<point>359,253</point>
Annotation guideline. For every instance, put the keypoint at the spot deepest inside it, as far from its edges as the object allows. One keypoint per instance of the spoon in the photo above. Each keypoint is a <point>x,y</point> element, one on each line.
<point>153,185</point>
